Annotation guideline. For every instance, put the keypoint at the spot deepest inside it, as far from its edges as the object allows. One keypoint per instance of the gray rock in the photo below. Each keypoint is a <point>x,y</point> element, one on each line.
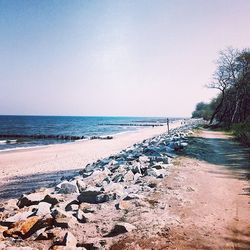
<point>87,174</point>
<point>129,176</point>
<point>39,235</point>
<point>43,208</point>
<point>157,166</point>
<point>120,228</point>
<point>95,197</point>
<point>30,199</point>
<point>83,217</point>
<point>131,197</point>
<point>94,189</point>
<point>72,205</point>
<point>61,218</point>
<point>158,173</point>
<point>52,199</point>
<point>132,189</point>
<point>137,170</point>
<point>69,240</point>
<point>89,168</point>
<point>19,216</point>
<point>67,187</point>
<point>114,188</point>
<point>98,176</point>
<point>118,178</point>
<point>106,197</point>
<point>161,173</point>
<point>144,159</point>
<point>137,176</point>
<point>81,185</point>
<point>163,159</point>
<point>9,205</point>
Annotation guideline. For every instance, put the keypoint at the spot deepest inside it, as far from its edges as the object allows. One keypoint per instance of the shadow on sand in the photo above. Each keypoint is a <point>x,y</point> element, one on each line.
<point>226,153</point>
<point>15,187</point>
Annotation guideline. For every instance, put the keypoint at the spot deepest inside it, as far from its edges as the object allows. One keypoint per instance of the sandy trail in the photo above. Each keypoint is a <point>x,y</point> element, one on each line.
<point>211,195</point>
<point>204,203</point>
<point>24,170</point>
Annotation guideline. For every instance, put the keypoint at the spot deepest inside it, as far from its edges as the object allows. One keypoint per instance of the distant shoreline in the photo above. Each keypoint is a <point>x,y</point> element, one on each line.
<point>28,131</point>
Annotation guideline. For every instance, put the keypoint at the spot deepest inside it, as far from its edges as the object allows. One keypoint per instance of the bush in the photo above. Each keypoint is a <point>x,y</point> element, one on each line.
<point>242,132</point>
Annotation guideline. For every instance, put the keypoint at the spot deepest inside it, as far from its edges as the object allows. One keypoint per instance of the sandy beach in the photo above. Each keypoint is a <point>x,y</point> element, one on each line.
<point>198,200</point>
<point>25,169</point>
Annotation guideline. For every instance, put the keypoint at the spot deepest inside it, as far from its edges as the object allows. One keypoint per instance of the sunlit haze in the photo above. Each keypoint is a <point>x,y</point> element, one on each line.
<point>125,58</point>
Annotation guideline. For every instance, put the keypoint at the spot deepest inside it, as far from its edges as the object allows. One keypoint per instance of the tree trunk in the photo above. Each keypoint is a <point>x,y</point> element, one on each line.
<point>217,108</point>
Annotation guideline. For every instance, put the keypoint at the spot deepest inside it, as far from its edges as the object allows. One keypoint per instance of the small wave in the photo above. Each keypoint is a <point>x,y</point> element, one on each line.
<point>2,141</point>
<point>11,141</point>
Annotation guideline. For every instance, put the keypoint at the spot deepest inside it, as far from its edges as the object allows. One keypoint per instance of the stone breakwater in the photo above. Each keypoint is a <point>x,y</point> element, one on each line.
<point>104,203</point>
<point>18,137</point>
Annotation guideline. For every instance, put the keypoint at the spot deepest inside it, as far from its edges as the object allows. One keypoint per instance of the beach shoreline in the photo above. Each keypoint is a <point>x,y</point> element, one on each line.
<point>185,190</point>
<point>58,160</point>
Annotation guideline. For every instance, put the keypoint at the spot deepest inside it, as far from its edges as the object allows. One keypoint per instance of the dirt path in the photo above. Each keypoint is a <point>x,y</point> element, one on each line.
<point>204,203</point>
<point>211,195</point>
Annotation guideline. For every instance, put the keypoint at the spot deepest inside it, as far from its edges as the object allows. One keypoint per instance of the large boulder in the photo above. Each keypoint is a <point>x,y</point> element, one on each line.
<point>43,208</point>
<point>26,228</point>
<point>95,197</point>
<point>30,199</point>
<point>67,187</point>
<point>52,199</point>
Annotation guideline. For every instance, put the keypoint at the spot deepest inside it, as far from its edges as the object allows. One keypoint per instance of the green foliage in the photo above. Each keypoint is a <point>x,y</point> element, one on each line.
<point>202,110</point>
<point>242,132</point>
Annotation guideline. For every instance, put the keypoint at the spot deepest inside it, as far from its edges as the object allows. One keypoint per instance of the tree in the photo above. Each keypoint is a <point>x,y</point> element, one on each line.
<point>224,76</point>
<point>202,110</point>
<point>232,78</point>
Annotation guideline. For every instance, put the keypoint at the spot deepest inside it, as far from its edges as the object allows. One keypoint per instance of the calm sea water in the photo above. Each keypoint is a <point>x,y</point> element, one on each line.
<point>64,125</point>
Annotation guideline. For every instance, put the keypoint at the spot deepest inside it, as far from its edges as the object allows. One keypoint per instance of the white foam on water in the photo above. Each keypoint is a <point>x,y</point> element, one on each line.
<point>11,141</point>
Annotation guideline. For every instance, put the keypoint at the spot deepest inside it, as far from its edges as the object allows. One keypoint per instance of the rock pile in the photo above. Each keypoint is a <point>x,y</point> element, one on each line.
<point>91,205</point>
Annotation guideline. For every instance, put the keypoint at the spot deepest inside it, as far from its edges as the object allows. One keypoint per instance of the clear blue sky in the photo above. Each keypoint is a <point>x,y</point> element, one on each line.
<point>139,57</point>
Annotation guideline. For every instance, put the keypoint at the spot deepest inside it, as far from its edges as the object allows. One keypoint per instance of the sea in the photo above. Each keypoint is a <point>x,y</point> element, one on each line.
<point>31,131</point>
